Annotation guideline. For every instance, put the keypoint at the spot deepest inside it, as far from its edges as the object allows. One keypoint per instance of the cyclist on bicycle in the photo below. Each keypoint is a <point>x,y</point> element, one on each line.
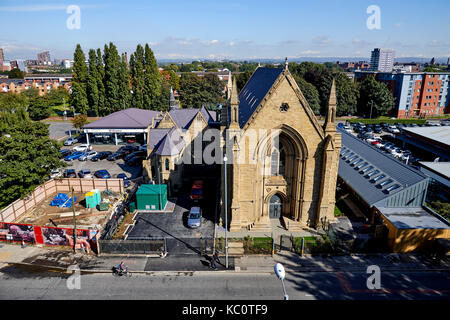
<point>121,267</point>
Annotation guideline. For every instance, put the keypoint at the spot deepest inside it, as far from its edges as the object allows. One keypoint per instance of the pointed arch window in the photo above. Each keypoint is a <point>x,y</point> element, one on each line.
<point>167,164</point>
<point>278,162</point>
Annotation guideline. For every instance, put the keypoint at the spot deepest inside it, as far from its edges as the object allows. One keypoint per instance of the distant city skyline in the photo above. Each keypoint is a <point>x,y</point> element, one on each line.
<point>234,30</point>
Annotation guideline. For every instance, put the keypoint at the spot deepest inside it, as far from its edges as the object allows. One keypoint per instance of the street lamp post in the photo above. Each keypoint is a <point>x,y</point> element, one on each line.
<point>225,159</point>
<point>279,271</point>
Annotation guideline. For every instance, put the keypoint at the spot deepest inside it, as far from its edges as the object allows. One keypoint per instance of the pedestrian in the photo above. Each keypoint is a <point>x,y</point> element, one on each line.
<point>213,262</point>
<point>216,257</point>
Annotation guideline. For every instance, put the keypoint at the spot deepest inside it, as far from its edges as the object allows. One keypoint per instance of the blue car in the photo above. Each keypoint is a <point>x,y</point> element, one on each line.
<point>74,156</point>
<point>102,174</point>
<point>126,181</point>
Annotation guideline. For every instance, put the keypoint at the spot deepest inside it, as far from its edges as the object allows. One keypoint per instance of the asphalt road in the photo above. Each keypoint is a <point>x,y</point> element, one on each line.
<point>21,284</point>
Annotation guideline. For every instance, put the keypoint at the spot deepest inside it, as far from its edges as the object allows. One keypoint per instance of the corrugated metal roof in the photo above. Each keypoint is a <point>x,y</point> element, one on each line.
<point>255,90</point>
<point>367,164</point>
<point>439,134</point>
<point>131,118</point>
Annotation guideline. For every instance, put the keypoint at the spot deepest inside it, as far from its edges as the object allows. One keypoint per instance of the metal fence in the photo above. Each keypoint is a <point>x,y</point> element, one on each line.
<point>130,246</point>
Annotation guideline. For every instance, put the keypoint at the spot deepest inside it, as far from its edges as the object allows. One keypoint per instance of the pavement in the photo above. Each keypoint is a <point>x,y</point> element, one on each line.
<point>33,256</point>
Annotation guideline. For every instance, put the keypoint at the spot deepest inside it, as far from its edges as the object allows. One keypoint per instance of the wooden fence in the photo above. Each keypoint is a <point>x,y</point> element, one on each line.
<point>64,185</point>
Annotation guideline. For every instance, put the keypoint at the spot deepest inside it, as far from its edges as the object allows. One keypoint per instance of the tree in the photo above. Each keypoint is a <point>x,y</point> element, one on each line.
<point>27,155</point>
<point>124,84</point>
<point>310,93</point>
<point>78,96</point>
<point>11,102</point>
<point>242,78</point>
<point>56,96</point>
<point>111,59</point>
<point>79,121</point>
<point>347,94</point>
<point>16,74</point>
<point>191,91</point>
<point>214,89</point>
<point>100,84</point>
<point>152,78</point>
<point>31,93</point>
<point>92,83</point>
<point>376,93</point>
<point>137,77</point>
<point>39,108</point>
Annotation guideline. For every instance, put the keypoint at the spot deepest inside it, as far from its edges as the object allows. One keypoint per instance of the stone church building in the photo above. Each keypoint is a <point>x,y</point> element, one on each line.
<point>281,163</point>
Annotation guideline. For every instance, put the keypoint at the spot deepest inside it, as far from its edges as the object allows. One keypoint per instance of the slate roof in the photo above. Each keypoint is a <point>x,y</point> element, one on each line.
<point>255,90</point>
<point>131,118</point>
<point>155,136</point>
<point>400,173</point>
<point>171,144</point>
<point>183,117</point>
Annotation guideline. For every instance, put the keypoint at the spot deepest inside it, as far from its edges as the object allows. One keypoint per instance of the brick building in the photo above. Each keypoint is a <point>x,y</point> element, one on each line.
<point>416,93</point>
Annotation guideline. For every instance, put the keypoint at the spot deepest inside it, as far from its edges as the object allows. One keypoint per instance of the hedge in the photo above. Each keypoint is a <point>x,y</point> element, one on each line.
<point>390,121</point>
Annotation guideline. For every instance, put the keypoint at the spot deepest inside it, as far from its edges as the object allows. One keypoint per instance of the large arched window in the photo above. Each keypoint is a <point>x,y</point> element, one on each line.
<point>277,162</point>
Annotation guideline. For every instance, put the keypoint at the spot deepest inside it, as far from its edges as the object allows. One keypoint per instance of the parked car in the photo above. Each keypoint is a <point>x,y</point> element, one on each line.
<point>406,155</point>
<point>143,148</point>
<point>135,154</point>
<point>135,161</point>
<point>101,155</point>
<point>82,147</point>
<point>393,129</point>
<point>88,155</point>
<point>396,152</point>
<point>70,173</point>
<point>348,129</point>
<point>194,217</point>
<point>65,152</point>
<point>115,156</point>
<point>196,190</point>
<point>74,156</point>
<point>126,181</point>
<point>128,147</point>
<point>70,141</point>
<point>102,174</point>
<point>55,173</point>
<point>377,129</point>
<point>85,173</point>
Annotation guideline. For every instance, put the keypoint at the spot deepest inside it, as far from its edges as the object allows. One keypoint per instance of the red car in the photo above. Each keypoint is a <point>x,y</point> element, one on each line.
<point>375,142</point>
<point>196,190</point>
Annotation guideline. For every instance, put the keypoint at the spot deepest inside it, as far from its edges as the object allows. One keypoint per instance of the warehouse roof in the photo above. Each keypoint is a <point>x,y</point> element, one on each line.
<point>438,134</point>
<point>441,168</point>
<point>364,167</point>
<point>131,118</point>
<point>412,218</point>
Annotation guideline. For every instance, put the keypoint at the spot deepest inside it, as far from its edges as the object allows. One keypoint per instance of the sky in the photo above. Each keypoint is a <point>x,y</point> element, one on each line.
<point>227,29</point>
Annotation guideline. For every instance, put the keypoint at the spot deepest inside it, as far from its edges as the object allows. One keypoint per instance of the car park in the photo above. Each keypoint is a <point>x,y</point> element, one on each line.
<point>116,156</point>
<point>101,155</point>
<point>87,156</point>
<point>82,147</point>
<point>74,156</point>
<point>85,173</point>
<point>393,129</point>
<point>377,129</point>
<point>135,161</point>
<point>196,190</point>
<point>65,152</point>
<point>126,181</point>
<point>55,173</point>
<point>102,174</point>
<point>194,217</point>
<point>70,173</point>
<point>135,154</point>
<point>70,141</point>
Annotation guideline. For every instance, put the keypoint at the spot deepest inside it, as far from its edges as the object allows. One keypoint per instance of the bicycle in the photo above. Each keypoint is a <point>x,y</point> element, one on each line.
<point>119,272</point>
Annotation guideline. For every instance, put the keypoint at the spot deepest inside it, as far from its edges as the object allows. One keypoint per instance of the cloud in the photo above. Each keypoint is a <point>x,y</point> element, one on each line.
<point>308,52</point>
<point>41,7</point>
<point>438,43</point>
<point>321,41</point>
<point>361,43</point>
<point>209,42</point>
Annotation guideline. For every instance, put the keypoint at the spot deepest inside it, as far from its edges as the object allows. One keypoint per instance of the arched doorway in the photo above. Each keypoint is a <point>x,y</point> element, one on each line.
<point>275,207</point>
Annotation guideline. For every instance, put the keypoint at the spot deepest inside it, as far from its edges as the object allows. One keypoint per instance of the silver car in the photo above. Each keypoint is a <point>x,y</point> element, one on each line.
<point>70,141</point>
<point>88,155</point>
<point>195,217</point>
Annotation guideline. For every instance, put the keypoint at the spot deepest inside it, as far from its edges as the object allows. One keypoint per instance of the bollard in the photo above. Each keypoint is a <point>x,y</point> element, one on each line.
<point>303,246</point>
